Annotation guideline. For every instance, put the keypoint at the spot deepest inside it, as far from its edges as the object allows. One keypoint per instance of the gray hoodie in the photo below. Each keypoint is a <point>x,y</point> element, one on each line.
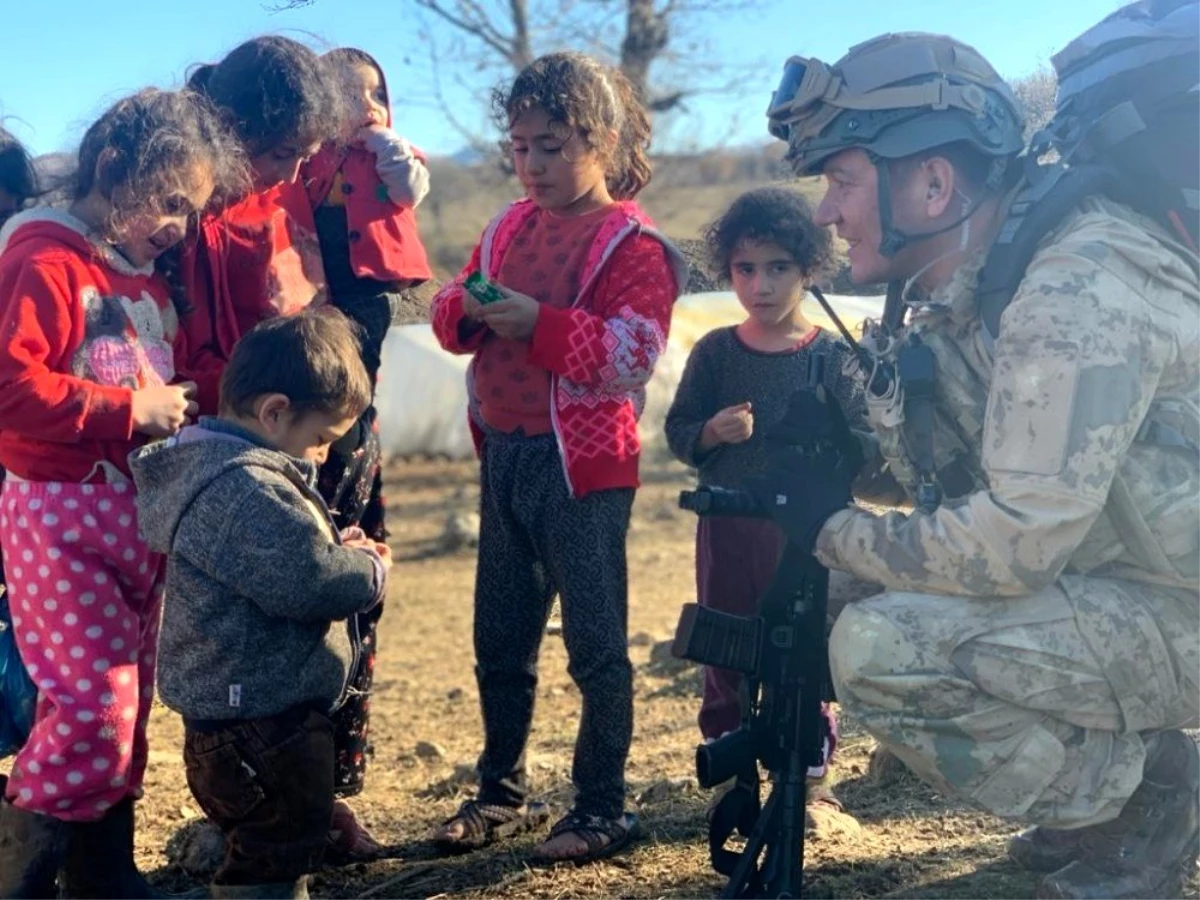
<point>256,575</point>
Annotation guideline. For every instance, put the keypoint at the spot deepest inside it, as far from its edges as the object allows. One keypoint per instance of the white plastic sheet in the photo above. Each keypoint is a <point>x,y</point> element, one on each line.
<point>422,396</point>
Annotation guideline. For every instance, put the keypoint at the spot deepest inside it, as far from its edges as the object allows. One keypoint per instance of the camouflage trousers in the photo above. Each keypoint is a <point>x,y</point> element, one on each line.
<point>1030,707</point>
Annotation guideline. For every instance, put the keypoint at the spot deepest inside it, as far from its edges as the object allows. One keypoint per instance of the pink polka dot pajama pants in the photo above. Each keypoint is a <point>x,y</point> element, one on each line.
<point>85,598</point>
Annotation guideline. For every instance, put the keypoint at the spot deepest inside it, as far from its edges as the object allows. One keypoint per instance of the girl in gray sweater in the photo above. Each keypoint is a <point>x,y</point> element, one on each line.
<point>735,388</point>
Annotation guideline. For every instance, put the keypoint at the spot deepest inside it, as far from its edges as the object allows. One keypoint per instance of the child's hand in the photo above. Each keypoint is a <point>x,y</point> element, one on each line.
<point>472,308</point>
<point>161,411</point>
<point>732,425</point>
<point>365,132</point>
<point>385,553</point>
<point>512,318</point>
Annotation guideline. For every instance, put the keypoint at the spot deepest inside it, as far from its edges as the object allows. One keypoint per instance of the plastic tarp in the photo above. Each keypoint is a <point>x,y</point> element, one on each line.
<point>422,396</point>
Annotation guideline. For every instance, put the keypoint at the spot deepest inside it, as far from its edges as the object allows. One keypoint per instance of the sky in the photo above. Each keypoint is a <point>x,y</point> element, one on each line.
<point>64,62</point>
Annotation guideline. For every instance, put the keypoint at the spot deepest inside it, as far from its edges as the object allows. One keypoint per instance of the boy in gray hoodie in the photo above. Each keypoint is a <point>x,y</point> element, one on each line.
<point>253,651</point>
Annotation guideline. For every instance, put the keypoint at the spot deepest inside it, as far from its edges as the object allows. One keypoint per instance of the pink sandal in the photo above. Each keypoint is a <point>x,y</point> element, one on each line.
<point>348,840</point>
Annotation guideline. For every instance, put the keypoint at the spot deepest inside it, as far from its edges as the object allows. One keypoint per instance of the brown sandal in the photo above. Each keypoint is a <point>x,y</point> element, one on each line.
<point>485,823</point>
<point>603,837</point>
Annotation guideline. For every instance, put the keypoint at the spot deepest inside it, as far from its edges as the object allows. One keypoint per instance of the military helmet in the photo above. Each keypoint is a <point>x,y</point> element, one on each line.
<point>894,96</point>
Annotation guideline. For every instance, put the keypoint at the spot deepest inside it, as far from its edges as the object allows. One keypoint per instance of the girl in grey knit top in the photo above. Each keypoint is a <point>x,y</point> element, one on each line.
<point>735,388</point>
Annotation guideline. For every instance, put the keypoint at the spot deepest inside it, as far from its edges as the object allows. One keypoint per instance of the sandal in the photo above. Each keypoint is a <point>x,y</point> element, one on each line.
<point>603,837</point>
<point>485,823</point>
<point>348,840</point>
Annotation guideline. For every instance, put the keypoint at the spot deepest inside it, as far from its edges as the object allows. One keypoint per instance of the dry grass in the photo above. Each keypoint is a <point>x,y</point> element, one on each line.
<point>913,843</point>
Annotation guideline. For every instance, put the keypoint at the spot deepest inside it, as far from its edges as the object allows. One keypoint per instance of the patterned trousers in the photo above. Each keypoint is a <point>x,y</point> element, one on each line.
<point>1031,707</point>
<point>535,541</point>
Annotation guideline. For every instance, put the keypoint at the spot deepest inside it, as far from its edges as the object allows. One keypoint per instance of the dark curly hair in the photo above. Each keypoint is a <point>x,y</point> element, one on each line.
<point>144,147</point>
<point>584,95</point>
<point>273,91</point>
<point>771,215</point>
<point>17,176</point>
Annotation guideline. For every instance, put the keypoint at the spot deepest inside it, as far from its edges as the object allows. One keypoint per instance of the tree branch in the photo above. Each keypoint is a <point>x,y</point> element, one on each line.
<point>482,28</point>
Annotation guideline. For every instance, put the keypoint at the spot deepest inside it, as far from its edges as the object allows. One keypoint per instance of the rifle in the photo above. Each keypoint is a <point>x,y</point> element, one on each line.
<point>783,655</point>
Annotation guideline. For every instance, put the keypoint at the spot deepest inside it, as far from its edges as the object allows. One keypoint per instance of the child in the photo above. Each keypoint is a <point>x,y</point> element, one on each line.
<point>257,580</point>
<point>86,375</point>
<point>18,185</point>
<point>556,387</point>
<point>259,258</point>
<point>18,181</point>
<point>735,388</point>
<point>368,191</point>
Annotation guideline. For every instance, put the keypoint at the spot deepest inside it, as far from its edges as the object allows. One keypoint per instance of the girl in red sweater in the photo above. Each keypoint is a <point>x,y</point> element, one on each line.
<point>86,375</point>
<point>18,185</point>
<point>259,258</point>
<point>556,387</point>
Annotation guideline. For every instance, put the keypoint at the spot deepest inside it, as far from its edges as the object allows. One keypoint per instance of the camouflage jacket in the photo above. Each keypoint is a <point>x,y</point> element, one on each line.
<point>1059,426</point>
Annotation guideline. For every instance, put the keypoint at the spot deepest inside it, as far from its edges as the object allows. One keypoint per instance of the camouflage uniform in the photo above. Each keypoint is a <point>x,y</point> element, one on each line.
<point>1032,626</point>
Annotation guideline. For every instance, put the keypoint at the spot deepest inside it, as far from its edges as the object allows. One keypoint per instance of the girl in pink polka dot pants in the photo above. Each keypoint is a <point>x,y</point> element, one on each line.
<point>86,371</point>
<point>86,594</point>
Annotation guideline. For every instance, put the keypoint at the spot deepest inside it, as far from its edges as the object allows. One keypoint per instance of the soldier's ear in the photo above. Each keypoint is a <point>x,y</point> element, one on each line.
<point>938,180</point>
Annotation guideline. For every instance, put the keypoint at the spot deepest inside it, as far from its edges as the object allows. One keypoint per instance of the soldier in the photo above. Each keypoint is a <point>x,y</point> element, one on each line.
<point>1035,648</point>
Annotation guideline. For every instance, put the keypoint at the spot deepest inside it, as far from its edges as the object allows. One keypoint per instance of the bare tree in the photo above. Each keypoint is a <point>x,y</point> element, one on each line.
<point>1038,93</point>
<point>634,34</point>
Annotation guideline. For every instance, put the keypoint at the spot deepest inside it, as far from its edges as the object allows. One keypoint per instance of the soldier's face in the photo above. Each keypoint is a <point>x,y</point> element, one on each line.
<point>851,206</point>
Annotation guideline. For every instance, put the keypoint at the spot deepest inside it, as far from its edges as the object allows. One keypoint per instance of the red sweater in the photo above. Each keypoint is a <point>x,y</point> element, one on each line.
<point>383,238</point>
<point>600,351</point>
<point>80,330</point>
<point>256,259</point>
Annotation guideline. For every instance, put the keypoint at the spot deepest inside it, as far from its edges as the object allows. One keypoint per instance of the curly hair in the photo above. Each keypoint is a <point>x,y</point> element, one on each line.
<point>147,146</point>
<point>144,149</point>
<point>273,91</point>
<point>593,99</point>
<point>771,215</point>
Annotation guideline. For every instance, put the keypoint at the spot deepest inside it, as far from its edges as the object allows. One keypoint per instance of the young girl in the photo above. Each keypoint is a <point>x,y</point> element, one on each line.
<point>86,375</point>
<point>18,181</point>
<point>18,185</point>
<point>556,386</point>
<point>368,190</point>
<point>258,258</point>
<point>735,388</point>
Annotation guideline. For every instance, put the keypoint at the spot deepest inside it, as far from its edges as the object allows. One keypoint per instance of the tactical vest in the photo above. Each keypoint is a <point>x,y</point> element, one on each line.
<point>932,433</point>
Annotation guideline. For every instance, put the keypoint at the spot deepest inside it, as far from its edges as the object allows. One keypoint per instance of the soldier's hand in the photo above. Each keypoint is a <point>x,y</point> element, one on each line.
<point>815,425</point>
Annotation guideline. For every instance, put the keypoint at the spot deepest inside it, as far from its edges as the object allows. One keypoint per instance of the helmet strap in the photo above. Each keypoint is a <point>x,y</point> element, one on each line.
<point>892,239</point>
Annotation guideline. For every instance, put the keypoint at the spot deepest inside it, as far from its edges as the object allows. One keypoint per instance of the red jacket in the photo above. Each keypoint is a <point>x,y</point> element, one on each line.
<point>600,351</point>
<point>254,260</point>
<point>383,237</point>
<point>80,330</point>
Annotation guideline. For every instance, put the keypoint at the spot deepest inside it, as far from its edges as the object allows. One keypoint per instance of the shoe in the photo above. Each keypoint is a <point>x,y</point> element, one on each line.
<point>1042,849</point>
<point>824,814</point>
<point>1145,850</point>
<point>279,890</point>
<point>32,848</point>
<point>348,840</point>
<point>99,861</point>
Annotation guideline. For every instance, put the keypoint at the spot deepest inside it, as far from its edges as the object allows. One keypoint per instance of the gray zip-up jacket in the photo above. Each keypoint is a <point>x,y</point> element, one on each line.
<point>256,576</point>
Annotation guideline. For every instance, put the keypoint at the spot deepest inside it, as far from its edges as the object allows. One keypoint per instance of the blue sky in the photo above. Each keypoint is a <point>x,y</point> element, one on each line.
<point>62,63</point>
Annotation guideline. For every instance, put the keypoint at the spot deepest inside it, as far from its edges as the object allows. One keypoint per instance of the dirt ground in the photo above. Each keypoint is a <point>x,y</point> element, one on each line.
<point>913,843</point>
